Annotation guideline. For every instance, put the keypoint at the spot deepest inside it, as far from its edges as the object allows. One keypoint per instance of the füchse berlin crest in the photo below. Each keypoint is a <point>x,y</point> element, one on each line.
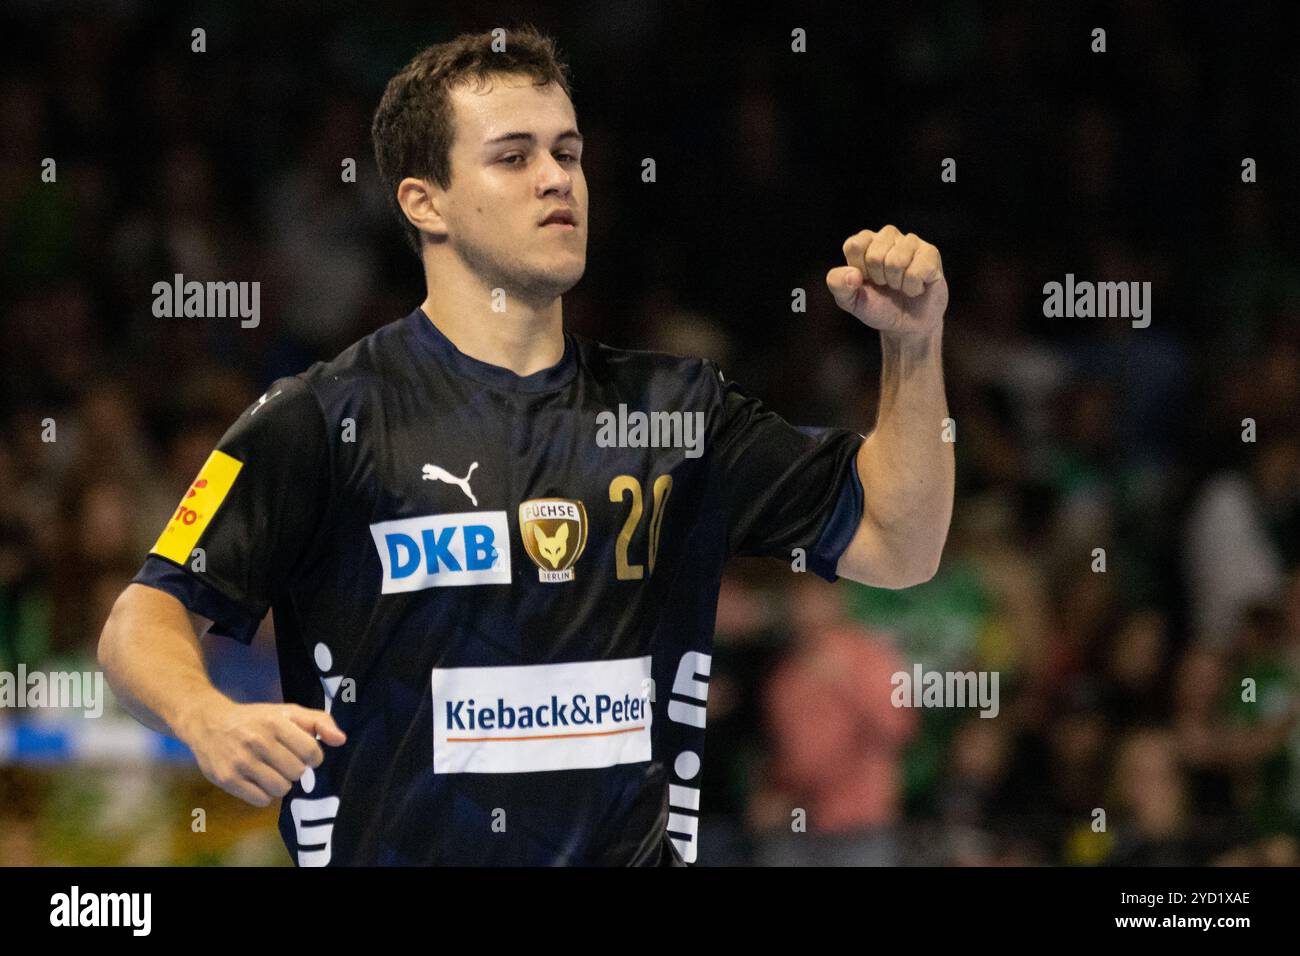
<point>554,532</point>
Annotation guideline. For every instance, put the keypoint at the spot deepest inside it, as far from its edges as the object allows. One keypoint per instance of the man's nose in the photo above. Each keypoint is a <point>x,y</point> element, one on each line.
<point>554,178</point>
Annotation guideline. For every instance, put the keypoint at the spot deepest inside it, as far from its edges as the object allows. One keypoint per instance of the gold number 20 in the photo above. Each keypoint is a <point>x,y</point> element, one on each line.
<point>619,488</point>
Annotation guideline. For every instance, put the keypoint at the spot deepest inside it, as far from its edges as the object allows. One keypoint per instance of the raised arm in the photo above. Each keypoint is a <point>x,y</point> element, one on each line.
<point>894,283</point>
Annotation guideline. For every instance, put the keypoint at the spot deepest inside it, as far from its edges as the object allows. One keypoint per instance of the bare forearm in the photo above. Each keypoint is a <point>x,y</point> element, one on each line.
<point>906,466</point>
<point>150,653</point>
<point>151,658</point>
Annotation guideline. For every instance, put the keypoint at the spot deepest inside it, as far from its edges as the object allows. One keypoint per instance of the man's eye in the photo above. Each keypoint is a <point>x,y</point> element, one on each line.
<point>512,156</point>
<point>568,157</point>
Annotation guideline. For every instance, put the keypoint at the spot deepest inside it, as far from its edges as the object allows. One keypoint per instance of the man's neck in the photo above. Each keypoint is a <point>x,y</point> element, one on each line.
<point>524,338</point>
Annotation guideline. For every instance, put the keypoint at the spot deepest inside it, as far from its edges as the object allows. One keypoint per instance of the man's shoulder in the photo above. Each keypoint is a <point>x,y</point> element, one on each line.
<point>643,365</point>
<point>382,354</point>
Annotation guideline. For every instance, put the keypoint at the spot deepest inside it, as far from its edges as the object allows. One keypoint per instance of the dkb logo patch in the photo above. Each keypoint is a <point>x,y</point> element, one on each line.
<point>435,551</point>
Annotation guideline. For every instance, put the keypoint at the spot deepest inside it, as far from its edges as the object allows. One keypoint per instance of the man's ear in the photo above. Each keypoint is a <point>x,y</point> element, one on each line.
<point>420,201</point>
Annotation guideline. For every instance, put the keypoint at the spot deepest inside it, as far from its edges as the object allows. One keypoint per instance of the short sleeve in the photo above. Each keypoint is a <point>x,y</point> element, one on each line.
<point>248,518</point>
<point>784,487</point>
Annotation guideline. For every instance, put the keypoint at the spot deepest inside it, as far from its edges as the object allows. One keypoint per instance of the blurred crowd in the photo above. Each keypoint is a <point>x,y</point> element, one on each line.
<point>1124,552</point>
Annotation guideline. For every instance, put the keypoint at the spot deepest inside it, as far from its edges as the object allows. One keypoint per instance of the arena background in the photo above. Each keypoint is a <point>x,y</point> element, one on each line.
<point>1120,690</point>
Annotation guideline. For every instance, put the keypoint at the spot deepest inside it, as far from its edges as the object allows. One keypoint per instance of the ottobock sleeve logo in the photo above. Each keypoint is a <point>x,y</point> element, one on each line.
<point>198,506</point>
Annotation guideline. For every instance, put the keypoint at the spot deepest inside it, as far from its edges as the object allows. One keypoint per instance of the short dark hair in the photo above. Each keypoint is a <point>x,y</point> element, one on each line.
<point>413,126</point>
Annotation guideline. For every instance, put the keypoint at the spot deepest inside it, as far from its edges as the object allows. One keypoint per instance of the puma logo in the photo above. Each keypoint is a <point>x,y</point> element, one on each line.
<point>552,548</point>
<point>434,473</point>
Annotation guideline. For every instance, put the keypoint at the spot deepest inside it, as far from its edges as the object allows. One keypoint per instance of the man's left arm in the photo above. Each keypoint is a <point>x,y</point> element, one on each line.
<point>894,282</point>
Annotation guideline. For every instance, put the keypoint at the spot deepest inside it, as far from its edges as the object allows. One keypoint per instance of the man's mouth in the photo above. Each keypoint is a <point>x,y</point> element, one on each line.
<point>562,219</point>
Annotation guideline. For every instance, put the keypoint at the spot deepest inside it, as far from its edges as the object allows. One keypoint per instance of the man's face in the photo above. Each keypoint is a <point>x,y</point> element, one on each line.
<point>515,160</point>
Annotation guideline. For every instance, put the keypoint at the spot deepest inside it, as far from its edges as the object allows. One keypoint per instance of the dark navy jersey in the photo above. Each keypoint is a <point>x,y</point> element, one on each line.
<point>502,587</point>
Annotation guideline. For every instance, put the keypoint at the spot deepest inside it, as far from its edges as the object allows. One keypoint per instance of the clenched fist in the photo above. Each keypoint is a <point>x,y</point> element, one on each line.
<point>257,752</point>
<point>892,282</point>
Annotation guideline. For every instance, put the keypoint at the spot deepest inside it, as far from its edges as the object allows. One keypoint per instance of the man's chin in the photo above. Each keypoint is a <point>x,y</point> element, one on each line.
<point>553,283</point>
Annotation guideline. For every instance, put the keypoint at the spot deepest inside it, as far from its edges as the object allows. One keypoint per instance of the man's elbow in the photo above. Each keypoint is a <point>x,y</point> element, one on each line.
<point>888,574</point>
<point>108,649</point>
<point>884,561</point>
<point>104,649</point>
<point>909,574</point>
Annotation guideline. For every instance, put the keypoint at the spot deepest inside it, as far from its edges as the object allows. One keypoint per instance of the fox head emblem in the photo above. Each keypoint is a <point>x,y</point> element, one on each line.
<point>552,548</point>
<point>554,533</point>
